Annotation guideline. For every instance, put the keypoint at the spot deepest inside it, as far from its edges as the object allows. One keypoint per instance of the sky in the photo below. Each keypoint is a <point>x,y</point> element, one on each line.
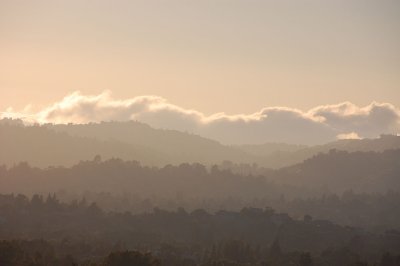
<point>232,56</point>
<point>238,71</point>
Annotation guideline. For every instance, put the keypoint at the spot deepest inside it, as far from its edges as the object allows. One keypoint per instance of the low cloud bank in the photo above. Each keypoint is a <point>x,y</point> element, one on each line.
<point>272,124</point>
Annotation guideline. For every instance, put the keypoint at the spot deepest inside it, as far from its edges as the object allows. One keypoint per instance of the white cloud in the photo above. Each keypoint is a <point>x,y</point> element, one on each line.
<point>368,121</point>
<point>351,135</point>
<point>272,124</point>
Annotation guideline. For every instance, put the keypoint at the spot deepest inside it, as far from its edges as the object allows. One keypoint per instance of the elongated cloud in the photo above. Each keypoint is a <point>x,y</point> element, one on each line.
<point>273,124</point>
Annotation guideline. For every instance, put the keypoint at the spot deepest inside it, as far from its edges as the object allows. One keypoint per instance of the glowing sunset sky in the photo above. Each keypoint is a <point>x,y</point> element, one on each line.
<point>213,56</point>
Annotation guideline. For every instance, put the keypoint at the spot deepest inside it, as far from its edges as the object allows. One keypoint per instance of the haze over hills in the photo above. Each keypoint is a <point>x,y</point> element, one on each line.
<point>359,186</point>
<point>178,146</point>
<point>43,147</point>
<point>349,182</point>
<point>199,133</point>
<point>51,145</point>
<point>333,172</point>
<point>187,147</point>
<point>276,155</point>
<point>337,171</point>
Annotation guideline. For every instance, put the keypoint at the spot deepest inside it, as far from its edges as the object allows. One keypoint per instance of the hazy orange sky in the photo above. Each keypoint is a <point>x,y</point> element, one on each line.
<point>233,56</point>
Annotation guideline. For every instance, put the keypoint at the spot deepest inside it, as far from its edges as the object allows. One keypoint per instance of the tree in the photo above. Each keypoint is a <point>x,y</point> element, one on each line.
<point>131,258</point>
<point>275,250</point>
<point>305,259</point>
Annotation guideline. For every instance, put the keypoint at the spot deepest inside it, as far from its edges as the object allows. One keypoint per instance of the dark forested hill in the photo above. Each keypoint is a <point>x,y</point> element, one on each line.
<point>333,172</point>
<point>247,237</point>
<point>337,171</point>
<point>127,185</point>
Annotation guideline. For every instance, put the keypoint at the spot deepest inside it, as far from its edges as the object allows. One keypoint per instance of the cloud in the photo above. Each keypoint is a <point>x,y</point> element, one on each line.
<point>351,135</point>
<point>272,124</point>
